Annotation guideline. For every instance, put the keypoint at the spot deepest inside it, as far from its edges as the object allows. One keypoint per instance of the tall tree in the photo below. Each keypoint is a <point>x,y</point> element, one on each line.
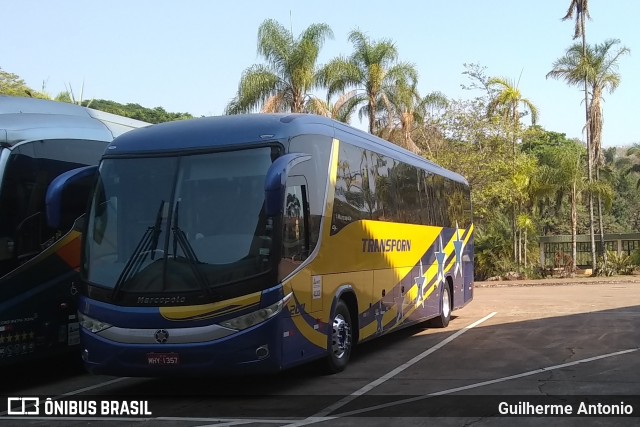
<point>341,109</point>
<point>11,84</point>
<point>602,76</point>
<point>598,66</point>
<point>581,10</point>
<point>506,103</point>
<point>635,166</point>
<point>371,70</point>
<point>525,189</point>
<point>566,174</point>
<point>285,82</point>
<point>406,112</point>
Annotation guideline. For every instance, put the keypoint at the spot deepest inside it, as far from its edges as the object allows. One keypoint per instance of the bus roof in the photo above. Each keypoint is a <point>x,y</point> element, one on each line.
<point>233,131</point>
<point>28,119</point>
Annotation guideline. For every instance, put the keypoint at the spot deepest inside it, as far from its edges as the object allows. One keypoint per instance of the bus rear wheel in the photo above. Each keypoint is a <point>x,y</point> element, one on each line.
<point>442,321</point>
<point>340,342</point>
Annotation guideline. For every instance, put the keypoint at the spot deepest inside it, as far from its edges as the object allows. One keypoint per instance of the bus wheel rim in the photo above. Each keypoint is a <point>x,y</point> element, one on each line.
<point>340,336</point>
<point>446,304</point>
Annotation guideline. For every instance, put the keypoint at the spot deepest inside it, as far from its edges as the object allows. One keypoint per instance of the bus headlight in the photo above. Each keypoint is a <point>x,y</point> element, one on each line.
<point>248,320</point>
<point>93,325</point>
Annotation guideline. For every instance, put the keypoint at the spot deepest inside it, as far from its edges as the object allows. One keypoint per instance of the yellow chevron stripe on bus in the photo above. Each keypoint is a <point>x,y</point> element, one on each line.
<point>312,335</point>
<point>207,311</point>
<point>358,247</point>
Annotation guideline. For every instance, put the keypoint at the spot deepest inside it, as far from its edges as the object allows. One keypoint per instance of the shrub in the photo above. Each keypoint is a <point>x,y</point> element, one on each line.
<point>635,257</point>
<point>616,264</point>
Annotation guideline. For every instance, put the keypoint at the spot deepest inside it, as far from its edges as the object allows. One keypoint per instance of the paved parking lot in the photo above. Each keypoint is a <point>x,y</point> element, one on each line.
<point>577,342</point>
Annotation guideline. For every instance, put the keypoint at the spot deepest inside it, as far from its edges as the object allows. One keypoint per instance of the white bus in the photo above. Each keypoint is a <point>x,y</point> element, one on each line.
<point>40,140</point>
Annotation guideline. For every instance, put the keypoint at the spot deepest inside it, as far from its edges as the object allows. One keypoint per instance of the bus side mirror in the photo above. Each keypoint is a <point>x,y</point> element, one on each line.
<point>276,180</point>
<point>67,197</point>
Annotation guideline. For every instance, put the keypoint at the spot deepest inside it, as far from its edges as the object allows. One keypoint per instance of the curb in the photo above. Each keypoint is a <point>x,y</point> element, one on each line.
<point>617,280</point>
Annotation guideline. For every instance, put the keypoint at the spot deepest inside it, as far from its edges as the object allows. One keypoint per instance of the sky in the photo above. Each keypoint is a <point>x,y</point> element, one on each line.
<point>189,55</point>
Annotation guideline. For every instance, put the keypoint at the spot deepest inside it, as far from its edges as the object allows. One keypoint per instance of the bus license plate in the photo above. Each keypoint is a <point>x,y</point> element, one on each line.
<point>163,359</point>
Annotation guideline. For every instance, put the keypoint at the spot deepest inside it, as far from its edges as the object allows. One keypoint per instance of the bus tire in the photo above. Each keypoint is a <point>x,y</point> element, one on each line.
<point>340,339</point>
<point>442,321</point>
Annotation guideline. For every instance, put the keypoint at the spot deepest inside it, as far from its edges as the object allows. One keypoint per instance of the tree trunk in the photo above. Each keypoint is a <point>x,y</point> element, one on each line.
<point>513,233</point>
<point>297,102</point>
<point>372,114</point>
<point>574,227</point>
<point>514,226</point>
<point>603,248</point>
<point>519,247</point>
<point>591,230</point>
<point>525,248</point>
<point>589,154</point>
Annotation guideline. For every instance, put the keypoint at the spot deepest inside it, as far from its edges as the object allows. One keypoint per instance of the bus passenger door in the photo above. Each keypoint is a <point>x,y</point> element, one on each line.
<point>296,246</point>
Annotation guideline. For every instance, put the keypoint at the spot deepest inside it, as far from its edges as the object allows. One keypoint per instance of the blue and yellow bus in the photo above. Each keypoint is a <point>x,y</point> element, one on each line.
<point>254,243</point>
<point>40,140</point>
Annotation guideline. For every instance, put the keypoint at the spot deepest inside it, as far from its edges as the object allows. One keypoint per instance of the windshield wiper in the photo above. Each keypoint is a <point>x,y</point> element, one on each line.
<point>147,245</point>
<point>180,239</point>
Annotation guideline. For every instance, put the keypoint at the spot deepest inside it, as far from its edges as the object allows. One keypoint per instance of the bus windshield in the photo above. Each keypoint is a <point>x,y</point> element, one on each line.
<point>27,171</point>
<point>179,224</point>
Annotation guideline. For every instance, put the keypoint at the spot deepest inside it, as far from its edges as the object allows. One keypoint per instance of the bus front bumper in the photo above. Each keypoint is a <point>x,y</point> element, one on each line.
<point>256,350</point>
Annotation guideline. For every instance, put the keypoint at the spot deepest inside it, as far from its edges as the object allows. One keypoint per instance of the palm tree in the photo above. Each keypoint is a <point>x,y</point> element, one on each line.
<point>341,110</point>
<point>635,167</point>
<point>581,10</point>
<point>565,173</point>
<point>505,102</point>
<point>597,65</point>
<point>406,111</point>
<point>601,70</point>
<point>525,190</point>
<point>371,70</point>
<point>283,84</point>
<point>604,76</point>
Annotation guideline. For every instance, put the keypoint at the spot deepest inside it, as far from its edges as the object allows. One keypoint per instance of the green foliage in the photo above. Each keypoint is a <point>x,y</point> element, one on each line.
<point>64,96</point>
<point>372,70</point>
<point>526,181</point>
<point>285,82</point>
<point>534,271</point>
<point>536,140</point>
<point>12,85</point>
<point>617,173</point>
<point>597,67</point>
<point>493,248</point>
<point>616,264</point>
<point>135,111</point>
<point>634,163</point>
<point>486,170</point>
<point>506,101</point>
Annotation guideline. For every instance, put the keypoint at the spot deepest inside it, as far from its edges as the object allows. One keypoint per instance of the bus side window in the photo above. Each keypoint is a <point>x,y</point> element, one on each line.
<point>295,239</point>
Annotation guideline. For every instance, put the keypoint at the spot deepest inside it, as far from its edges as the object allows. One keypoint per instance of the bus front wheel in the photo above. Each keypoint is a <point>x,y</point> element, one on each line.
<point>340,341</point>
<point>442,321</point>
